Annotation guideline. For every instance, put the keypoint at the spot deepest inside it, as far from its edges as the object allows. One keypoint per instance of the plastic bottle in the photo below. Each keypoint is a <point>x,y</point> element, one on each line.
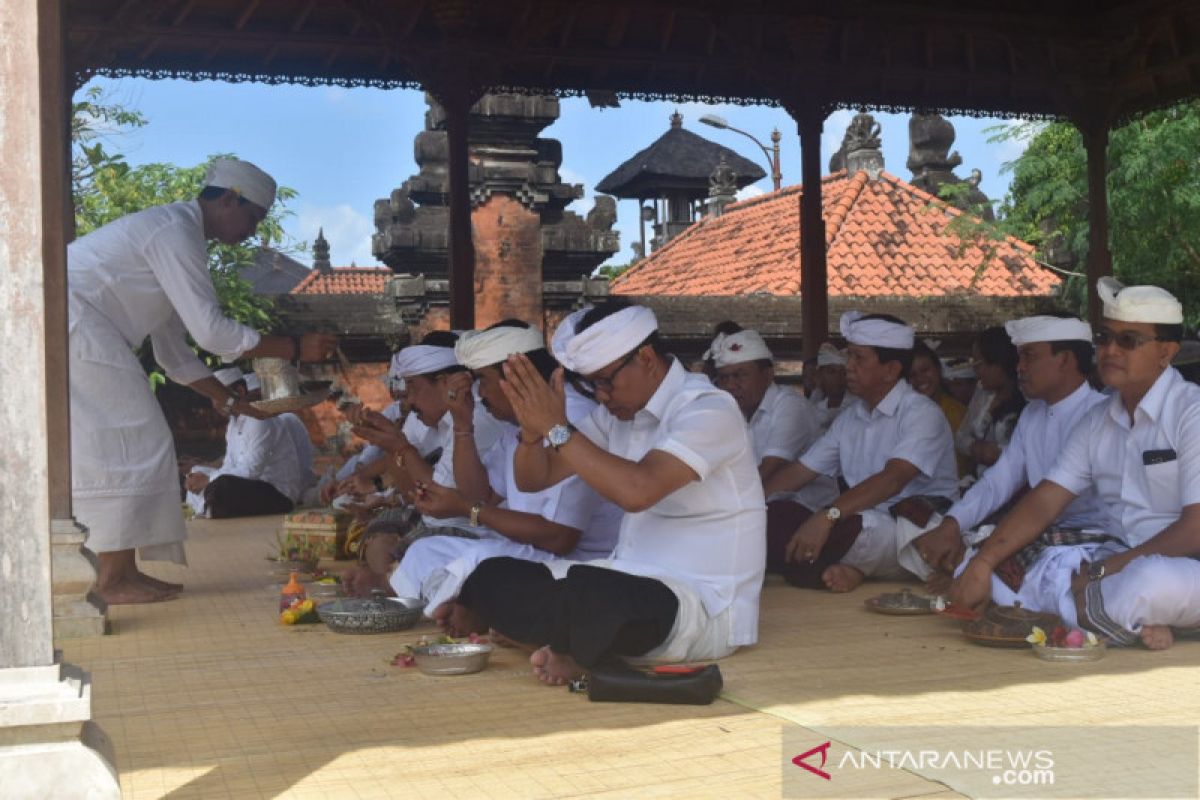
<point>293,592</point>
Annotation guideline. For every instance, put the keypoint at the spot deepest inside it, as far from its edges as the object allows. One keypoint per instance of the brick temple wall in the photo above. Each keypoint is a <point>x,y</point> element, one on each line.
<point>508,261</point>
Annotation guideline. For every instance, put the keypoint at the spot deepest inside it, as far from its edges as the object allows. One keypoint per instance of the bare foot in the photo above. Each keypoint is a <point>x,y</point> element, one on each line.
<point>554,669</point>
<point>155,583</point>
<point>842,578</point>
<point>131,593</point>
<point>458,620</point>
<point>1157,637</point>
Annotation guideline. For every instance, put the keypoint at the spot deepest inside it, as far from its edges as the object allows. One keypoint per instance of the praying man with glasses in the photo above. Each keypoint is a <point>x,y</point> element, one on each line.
<point>1139,451</point>
<point>674,453</point>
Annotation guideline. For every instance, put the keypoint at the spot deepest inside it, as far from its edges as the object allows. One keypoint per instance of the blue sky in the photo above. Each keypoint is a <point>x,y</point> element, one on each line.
<point>341,149</point>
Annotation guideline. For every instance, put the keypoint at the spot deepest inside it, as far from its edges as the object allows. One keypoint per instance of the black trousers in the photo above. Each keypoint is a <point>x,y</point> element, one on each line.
<point>231,496</point>
<point>592,614</point>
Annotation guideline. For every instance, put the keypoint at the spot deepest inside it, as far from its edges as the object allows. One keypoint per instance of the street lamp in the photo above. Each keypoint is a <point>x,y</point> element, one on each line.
<point>772,153</point>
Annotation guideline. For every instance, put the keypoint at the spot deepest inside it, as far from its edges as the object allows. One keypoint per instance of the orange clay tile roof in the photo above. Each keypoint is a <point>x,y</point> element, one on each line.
<point>884,238</point>
<point>345,280</point>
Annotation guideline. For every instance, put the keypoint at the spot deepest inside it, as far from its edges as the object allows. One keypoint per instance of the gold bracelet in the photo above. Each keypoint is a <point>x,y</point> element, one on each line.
<point>400,460</point>
<point>475,509</point>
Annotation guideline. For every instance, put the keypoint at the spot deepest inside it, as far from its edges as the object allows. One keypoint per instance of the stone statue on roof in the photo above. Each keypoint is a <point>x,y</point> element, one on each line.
<point>930,137</point>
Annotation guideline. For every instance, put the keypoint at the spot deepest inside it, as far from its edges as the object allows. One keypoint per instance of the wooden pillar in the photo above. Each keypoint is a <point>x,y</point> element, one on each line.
<point>457,100</point>
<point>814,284</point>
<point>1094,128</point>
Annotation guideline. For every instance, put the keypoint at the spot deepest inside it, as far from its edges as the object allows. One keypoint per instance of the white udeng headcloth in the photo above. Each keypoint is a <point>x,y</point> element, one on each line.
<point>565,332</point>
<point>958,369</point>
<point>607,340</point>
<point>1139,303</point>
<point>476,349</point>
<point>737,348</point>
<point>876,332</point>
<point>422,359</point>
<point>244,178</point>
<point>1047,329</point>
<point>829,356</point>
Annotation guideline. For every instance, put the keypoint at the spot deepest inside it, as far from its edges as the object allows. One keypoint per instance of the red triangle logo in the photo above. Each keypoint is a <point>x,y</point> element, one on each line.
<point>823,749</point>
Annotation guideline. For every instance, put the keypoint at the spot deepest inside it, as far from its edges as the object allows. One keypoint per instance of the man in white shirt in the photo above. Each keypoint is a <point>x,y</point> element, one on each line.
<point>673,451</point>
<point>427,369</point>
<point>147,274</point>
<point>568,520</point>
<point>1140,452</point>
<point>1054,359</point>
<point>894,450</point>
<point>267,465</point>
<point>832,399</point>
<point>782,423</point>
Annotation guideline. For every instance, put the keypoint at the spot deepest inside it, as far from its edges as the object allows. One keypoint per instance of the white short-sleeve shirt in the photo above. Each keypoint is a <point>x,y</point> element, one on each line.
<point>904,425</point>
<point>1144,473</point>
<point>711,533</point>
<point>783,425</point>
<point>488,431</point>
<point>1039,438</point>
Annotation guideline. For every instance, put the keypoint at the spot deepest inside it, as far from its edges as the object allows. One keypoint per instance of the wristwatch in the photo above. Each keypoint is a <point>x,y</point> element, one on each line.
<point>560,435</point>
<point>1096,571</point>
<point>230,402</point>
<point>833,514</point>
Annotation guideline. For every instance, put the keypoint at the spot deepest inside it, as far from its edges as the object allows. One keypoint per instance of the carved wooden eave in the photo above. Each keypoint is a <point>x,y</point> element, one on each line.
<point>1047,59</point>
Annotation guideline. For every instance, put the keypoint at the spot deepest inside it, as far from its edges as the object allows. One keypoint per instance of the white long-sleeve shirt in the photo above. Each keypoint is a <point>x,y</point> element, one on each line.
<point>147,274</point>
<point>266,450</point>
<point>783,425</point>
<point>1037,441</point>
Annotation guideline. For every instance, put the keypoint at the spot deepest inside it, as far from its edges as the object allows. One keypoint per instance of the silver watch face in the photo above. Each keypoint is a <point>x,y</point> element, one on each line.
<point>833,513</point>
<point>558,435</point>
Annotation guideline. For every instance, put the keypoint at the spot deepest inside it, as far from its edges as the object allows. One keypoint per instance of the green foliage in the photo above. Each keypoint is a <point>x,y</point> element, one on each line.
<point>611,271</point>
<point>1153,186</point>
<point>106,187</point>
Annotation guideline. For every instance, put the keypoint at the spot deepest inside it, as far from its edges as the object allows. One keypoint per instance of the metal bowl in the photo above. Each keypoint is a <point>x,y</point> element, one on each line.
<point>350,615</point>
<point>1072,655</point>
<point>451,659</point>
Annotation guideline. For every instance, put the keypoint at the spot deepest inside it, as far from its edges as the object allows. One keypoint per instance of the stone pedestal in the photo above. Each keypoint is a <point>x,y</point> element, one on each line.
<point>48,746</point>
<point>77,611</point>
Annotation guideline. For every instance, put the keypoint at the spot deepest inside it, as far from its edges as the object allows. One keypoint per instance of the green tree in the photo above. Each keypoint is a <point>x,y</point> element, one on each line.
<point>1153,186</point>
<point>106,188</point>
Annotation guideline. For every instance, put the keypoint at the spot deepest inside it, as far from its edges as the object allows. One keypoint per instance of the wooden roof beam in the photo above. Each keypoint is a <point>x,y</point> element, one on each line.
<point>569,25</point>
<point>615,35</point>
<point>244,17</point>
<point>303,16</point>
<point>668,29</point>
<point>183,13</point>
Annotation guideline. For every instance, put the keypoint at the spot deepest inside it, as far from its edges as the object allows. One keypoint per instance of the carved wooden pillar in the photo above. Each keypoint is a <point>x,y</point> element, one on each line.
<point>457,98</point>
<point>814,284</point>
<point>1094,127</point>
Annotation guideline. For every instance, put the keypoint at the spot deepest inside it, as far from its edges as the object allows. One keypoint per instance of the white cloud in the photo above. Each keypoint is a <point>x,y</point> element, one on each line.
<point>746,192</point>
<point>347,231</point>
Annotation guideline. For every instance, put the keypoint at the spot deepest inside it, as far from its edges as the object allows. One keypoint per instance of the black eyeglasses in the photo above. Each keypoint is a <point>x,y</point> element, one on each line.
<point>606,382</point>
<point>1126,340</point>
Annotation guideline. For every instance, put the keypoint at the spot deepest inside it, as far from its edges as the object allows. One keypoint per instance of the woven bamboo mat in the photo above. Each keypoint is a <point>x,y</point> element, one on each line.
<point>208,696</point>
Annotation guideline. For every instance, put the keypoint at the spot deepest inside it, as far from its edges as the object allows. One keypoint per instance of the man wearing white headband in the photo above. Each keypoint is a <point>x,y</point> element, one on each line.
<point>1139,451</point>
<point>147,274</point>
<point>895,452</point>
<point>267,464</point>
<point>674,453</point>
<point>830,397</point>
<point>429,370</point>
<point>567,520</point>
<point>1054,359</point>
<point>782,424</point>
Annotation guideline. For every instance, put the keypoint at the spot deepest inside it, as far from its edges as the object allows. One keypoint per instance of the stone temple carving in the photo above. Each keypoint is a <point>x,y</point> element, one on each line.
<point>862,148</point>
<point>930,137</point>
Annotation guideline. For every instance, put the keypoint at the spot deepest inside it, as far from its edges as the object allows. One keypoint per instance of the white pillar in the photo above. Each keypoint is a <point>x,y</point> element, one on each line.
<point>48,746</point>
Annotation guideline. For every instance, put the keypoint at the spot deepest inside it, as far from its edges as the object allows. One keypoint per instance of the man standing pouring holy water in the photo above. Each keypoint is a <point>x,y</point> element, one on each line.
<point>146,274</point>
